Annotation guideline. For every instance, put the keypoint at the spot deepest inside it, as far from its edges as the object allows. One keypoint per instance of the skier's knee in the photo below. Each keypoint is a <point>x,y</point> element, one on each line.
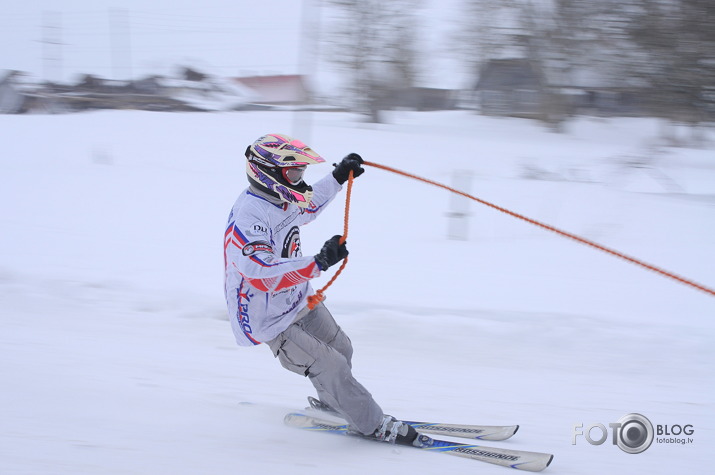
<point>295,359</point>
<point>344,346</point>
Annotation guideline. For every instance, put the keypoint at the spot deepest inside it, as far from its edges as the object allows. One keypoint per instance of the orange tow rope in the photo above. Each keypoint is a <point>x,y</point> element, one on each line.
<point>318,297</point>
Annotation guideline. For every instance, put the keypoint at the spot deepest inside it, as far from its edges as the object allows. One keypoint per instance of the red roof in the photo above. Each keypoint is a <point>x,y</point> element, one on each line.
<point>283,89</point>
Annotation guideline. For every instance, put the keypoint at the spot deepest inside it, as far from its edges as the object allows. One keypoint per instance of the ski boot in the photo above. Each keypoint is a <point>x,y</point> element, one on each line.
<point>397,432</point>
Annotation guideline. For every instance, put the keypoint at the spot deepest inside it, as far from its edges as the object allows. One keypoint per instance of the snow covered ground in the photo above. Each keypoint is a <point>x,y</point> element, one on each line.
<point>116,356</point>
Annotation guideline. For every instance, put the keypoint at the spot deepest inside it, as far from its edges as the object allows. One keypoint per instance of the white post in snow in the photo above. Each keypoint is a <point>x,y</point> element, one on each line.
<point>458,214</point>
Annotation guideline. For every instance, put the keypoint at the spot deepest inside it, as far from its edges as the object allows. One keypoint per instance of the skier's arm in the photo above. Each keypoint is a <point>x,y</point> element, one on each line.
<point>325,189</point>
<point>263,269</point>
<point>261,265</point>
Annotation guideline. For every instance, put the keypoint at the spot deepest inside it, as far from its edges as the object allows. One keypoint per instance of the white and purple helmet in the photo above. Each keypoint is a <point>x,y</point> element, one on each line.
<point>276,163</point>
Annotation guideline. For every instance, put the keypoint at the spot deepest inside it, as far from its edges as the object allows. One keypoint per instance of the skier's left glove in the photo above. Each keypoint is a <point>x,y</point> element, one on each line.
<point>352,162</point>
<point>332,252</point>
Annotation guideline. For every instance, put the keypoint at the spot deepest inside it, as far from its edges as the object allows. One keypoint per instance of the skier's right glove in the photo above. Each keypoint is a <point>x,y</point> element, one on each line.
<point>351,163</point>
<point>331,253</point>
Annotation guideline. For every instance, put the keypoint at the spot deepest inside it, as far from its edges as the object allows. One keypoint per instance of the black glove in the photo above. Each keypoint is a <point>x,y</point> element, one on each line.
<point>350,163</point>
<point>331,253</point>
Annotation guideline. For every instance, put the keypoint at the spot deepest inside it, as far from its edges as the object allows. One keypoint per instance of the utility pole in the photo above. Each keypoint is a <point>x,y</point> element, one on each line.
<point>52,46</point>
<point>121,43</point>
<point>307,60</point>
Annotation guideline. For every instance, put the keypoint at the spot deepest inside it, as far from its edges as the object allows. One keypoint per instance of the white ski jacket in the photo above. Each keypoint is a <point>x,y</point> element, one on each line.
<point>267,277</point>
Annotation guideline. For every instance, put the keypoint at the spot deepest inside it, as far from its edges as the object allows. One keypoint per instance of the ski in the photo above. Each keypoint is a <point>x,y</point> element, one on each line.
<point>468,431</point>
<point>465,430</point>
<point>518,459</point>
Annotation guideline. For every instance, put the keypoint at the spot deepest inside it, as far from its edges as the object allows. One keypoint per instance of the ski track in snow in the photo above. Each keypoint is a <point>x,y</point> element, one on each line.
<point>117,357</point>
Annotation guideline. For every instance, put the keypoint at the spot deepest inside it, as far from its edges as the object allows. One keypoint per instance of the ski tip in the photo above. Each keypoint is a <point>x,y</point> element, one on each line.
<point>502,433</point>
<point>536,463</point>
<point>292,416</point>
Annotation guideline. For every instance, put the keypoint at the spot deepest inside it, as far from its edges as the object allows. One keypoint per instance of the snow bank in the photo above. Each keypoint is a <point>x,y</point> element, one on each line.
<point>117,357</point>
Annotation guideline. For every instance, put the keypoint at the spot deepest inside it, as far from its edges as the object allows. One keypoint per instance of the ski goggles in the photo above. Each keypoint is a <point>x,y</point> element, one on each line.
<point>293,175</point>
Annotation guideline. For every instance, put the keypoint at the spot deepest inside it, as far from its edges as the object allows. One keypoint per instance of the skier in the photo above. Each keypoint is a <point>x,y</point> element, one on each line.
<point>267,280</point>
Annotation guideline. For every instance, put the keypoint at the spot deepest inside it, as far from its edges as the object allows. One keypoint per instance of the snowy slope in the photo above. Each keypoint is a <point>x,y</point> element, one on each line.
<point>116,356</point>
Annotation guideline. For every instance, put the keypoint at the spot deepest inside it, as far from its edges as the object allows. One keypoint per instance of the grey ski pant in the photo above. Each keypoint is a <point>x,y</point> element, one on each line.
<point>316,347</point>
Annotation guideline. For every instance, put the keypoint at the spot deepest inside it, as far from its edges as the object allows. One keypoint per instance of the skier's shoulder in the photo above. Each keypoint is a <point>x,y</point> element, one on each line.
<point>248,202</point>
<point>251,210</point>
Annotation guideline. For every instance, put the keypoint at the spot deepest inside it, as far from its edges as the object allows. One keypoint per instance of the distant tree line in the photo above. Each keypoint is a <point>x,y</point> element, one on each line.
<point>666,47</point>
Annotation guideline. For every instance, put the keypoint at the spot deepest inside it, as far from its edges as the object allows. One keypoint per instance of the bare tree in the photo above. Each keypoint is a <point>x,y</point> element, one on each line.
<point>677,38</point>
<point>374,43</point>
<point>487,30</point>
<point>581,44</point>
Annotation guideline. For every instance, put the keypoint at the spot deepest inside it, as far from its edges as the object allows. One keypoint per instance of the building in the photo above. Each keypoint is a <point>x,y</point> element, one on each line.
<point>510,87</point>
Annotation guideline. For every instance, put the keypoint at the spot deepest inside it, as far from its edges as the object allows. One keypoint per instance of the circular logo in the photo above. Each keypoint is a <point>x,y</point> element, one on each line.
<point>635,434</point>
<point>291,244</point>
